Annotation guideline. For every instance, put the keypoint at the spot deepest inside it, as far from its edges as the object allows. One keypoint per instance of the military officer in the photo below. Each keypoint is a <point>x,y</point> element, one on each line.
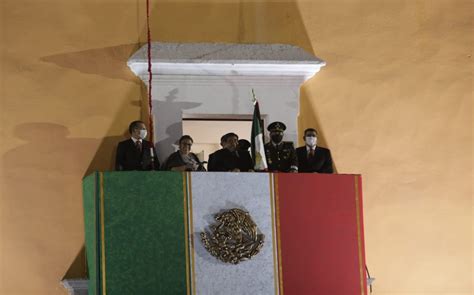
<point>281,155</point>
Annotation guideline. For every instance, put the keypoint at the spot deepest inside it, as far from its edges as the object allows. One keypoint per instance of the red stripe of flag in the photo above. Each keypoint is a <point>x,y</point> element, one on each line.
<point>321,234</point>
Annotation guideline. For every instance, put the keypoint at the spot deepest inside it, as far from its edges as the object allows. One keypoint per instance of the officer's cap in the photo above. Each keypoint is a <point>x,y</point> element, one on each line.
<point>276,126</point>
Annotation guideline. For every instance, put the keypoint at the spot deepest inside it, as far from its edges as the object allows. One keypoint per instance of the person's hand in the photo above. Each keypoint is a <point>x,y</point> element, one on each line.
<point>179,168</point>
<point>235,170</point>
<point>191,167</point>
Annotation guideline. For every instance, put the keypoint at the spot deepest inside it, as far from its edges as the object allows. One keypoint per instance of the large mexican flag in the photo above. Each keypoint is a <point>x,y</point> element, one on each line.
<point>144,233</point>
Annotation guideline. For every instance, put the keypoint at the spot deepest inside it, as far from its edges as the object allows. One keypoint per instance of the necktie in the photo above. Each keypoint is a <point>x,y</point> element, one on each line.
<point>311,153</point>
<point>139,146</point>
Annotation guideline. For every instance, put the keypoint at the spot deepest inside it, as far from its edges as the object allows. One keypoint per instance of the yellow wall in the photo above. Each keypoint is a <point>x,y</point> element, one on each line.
<point>394,104</point>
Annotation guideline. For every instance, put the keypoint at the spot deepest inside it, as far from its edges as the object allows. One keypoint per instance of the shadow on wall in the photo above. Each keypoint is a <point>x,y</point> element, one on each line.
<point>48,148</point>
<point>109,62</point>
<point>170,110</point>
<point>78,268</point>
<point>53,161</point>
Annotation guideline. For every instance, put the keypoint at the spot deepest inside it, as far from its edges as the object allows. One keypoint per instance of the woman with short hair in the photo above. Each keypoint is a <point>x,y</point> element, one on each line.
<point>183,159</point>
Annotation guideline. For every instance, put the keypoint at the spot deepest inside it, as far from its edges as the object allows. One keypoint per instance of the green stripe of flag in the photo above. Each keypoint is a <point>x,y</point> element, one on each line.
<point>144,233</point>
<point>90,194</point>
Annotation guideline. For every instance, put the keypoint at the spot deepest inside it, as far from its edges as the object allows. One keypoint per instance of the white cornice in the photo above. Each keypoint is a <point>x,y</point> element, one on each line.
<point>223,69</point>
<point>209,59</point>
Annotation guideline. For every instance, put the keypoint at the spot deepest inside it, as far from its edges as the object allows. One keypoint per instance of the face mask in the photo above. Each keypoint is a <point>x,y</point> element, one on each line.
<point>143,134</point>
<point>311,141</point>
<point>276,138</point>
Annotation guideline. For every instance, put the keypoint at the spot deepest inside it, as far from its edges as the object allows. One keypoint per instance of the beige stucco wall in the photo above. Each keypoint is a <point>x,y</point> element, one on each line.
<point>394,104</point>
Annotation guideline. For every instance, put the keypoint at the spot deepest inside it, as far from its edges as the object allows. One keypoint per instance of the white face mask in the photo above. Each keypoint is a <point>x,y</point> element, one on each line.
<point>311,141</point>
<point>143,133</point>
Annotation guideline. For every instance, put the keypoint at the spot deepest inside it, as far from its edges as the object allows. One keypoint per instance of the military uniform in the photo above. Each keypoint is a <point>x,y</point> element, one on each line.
<point>280,156</point>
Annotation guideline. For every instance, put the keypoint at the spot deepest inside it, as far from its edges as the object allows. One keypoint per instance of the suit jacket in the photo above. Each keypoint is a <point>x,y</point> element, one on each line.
<point>225,160</point>
<point>282,157</point>
<point>129,158</point>
<point>321,162</point>
<point>246,162</point>
<point>211,162</point>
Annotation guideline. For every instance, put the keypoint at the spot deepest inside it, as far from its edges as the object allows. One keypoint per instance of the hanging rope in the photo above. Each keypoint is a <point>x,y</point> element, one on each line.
<point>150,106</point>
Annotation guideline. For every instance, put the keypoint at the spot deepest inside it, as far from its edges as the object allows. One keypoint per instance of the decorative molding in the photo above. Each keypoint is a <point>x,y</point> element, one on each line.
<point>226,69</point>
<point>201,80</point>
<point>218,117</point>
<point>79,286</point>
<point>76,286</point>
<point>223,52</point>
<point>217,59</point>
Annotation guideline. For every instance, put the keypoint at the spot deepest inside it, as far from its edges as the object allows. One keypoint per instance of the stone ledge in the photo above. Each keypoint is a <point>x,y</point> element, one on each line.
<point>225,53</point>
<point>216,59</point>
<point>76,286</point>
<point>79,286</point>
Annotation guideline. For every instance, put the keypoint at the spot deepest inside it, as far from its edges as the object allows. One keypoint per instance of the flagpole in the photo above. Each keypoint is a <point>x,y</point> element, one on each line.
<point>151,123</point>
<point>254,100</point>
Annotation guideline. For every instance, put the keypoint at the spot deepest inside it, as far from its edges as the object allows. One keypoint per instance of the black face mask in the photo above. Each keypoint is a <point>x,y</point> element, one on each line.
<point>276,138</point>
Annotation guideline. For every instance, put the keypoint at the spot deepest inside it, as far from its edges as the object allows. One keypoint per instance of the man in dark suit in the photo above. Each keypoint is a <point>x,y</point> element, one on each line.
<point>227,158</point>
<point>210,161</point>
<point>312,158</point>
<point>136,153</point>
<point>243,146</point>
<point>281,155</point>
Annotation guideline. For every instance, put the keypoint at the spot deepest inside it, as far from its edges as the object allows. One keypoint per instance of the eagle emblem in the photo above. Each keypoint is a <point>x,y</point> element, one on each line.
<point>234,238</point>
